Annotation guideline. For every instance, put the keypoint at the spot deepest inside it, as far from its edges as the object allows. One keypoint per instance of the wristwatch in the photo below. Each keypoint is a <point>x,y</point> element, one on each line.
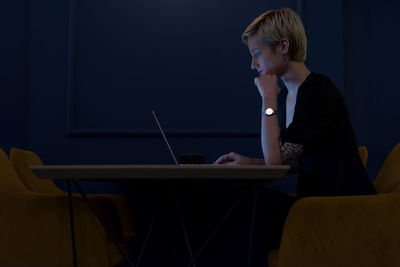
<point>269,112</point>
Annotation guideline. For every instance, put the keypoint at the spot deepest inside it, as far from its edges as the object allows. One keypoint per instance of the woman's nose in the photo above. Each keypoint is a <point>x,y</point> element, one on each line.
<point>254,64</point>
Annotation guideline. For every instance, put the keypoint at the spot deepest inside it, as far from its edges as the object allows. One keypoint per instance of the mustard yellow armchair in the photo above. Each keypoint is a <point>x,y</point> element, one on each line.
<point>342,231</point>
<point>35,231</point>
<point>388,178</point>
<point>35,228</point>
<point>346,231</point>
<point>363,152</point>
<point>22,159</point>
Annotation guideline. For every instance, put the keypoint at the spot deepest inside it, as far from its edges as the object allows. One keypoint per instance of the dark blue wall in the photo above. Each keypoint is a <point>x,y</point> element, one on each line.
<point>79,78</point>
<point>371,71</point>
<point>14,56</point>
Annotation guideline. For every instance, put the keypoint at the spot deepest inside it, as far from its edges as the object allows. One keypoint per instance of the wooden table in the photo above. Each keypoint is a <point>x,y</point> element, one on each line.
<point>169,172</point>
<point>121,173</point>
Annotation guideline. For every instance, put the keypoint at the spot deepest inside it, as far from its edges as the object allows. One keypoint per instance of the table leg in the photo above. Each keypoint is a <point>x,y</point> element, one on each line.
<point>216,228</point>
<point>253,217</point>
<point>102,222</point>
<point>182,222</point>
<point>71,216</point>
<point>147,237</point>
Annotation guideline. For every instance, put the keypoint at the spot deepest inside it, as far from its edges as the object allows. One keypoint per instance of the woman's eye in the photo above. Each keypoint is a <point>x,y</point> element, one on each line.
<point>257,54</point>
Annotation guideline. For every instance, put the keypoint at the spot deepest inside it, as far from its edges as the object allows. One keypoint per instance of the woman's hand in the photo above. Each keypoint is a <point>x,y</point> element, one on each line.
<point>234,159</point>
<point>267,85</point>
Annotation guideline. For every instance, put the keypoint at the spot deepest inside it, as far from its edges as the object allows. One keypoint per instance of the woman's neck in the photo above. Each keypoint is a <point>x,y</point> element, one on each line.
<point>295,75</point>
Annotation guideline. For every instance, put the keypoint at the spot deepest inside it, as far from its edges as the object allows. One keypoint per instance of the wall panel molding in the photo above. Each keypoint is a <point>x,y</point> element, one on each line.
<point>72,130</point>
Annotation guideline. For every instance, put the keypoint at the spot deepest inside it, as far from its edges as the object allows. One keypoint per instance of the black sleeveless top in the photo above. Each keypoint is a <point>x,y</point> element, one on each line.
<point>330,164</point>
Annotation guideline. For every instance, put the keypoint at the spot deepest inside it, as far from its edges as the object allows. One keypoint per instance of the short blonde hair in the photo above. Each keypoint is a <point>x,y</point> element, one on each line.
<point>274,25</point>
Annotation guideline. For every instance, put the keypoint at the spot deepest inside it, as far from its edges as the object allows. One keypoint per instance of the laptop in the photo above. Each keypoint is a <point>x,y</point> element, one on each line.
<point>167,143</point>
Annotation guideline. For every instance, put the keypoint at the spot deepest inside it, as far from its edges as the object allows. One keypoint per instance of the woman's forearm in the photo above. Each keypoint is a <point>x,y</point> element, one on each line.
<point>270,131</point>
<point>258,162</point>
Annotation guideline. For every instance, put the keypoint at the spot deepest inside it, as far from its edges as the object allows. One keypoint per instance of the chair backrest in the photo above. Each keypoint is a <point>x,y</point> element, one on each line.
<point>342,231</point>
<point>362,150</point>
<point>21,160</point>
<point>388,178</point>
<point>9,180</point>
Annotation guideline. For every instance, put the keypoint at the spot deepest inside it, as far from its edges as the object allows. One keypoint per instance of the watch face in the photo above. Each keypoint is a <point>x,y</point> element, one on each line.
<point>269,111</point>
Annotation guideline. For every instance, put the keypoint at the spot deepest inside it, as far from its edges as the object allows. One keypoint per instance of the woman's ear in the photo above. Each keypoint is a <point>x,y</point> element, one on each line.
<point>284,45</point>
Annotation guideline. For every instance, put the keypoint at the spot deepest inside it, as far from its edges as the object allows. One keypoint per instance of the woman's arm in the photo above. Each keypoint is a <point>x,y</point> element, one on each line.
<point>237,159</point>
<point>270,138</point>
<point>270,132</point>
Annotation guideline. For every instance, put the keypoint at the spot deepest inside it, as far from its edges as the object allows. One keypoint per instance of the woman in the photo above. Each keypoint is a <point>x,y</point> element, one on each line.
<point>306,120</point>
<point>305,124</point>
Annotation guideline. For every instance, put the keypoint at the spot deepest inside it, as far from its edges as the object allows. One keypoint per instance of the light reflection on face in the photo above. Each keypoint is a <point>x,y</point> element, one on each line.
<point>263,58</point>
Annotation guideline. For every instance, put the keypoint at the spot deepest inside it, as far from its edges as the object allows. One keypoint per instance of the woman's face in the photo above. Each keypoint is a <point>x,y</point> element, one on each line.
<point>264,59</point>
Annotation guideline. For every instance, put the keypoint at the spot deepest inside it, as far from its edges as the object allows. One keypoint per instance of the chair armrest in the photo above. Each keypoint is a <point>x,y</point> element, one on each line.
<point>35,230</point>
<point>342,231</point>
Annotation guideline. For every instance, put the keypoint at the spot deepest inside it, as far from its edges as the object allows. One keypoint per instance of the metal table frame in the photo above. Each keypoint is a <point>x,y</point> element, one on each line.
<point>252,174</point>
